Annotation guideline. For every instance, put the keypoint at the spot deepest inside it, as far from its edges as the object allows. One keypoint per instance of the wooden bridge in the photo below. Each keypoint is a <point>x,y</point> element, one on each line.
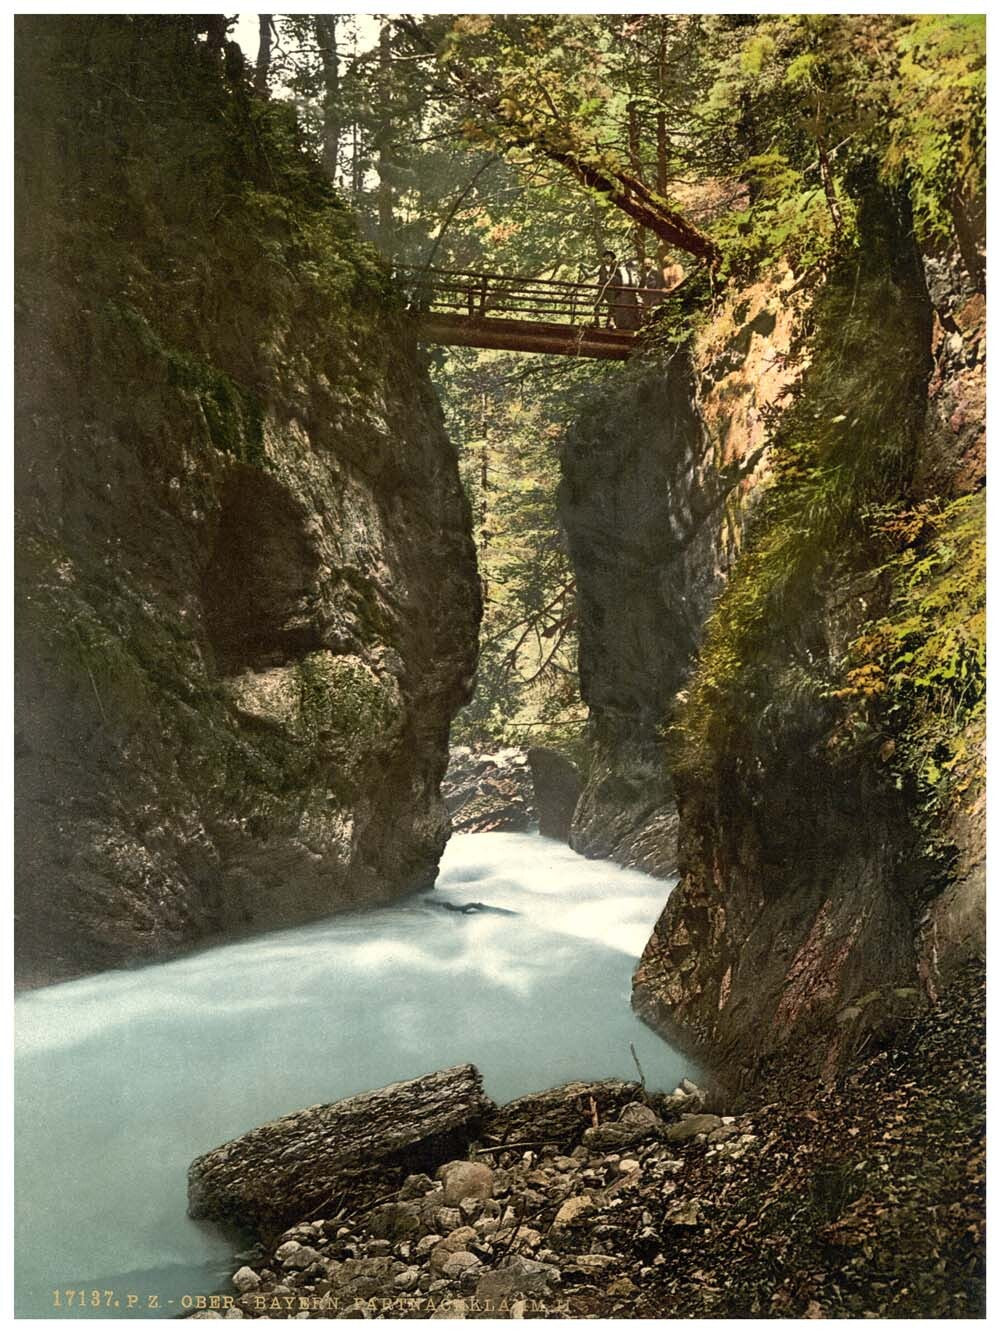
<point>518,314</point>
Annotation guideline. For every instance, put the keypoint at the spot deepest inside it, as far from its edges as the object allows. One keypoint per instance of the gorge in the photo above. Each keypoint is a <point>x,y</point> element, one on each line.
<point>274,556</point>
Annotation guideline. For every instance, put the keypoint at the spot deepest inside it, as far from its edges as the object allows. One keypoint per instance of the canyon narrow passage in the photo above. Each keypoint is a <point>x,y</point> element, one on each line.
<point>161,1063</point>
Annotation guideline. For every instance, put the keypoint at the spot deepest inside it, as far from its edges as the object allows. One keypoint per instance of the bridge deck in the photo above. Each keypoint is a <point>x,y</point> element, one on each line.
<point>521,335</point>
<point>520,314</point>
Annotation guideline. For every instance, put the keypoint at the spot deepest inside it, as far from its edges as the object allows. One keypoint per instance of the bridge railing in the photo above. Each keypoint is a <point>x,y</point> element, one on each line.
<point>482,295</point>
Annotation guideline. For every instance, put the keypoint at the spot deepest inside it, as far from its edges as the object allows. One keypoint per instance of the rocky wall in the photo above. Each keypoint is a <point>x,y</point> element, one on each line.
<point>247,594</point>
<point>819,901</point>
<point>823,895</point>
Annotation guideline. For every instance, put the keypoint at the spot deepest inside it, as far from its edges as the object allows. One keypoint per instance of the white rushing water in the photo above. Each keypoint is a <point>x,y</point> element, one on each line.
<point>122,1078</point>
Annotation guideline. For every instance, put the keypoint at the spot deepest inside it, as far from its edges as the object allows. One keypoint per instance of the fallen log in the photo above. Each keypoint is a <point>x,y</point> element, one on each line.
<point>341,1154</point>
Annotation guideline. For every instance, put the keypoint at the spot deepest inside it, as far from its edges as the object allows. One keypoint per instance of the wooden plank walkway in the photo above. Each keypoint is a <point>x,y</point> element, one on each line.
<point>520,314</point>
<point>519,335</point>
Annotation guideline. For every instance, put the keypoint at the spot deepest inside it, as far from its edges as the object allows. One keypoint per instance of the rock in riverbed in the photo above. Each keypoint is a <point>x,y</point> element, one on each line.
<point>557,785</point>
<point>486,793</point>
<point>347,1152</point>
<point>705,1225</point>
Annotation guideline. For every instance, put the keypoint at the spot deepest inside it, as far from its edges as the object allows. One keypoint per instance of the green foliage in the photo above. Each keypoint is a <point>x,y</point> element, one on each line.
<point>937,130</point>
<point>507,417</point>
<point>800,100</point>
<point>789,222</point>
<point>232,417</point>
<point>844,449</point>
<point>190,207</point>
<point>916,676</point>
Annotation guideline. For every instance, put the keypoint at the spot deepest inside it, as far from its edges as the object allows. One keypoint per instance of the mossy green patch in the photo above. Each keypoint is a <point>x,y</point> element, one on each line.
<point>344,702</point>
<point>842,452</point>
<point>917,675</point>
<point>232,416</point>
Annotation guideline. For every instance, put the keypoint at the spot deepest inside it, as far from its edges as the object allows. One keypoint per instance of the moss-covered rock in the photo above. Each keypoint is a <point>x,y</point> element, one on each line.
<point>247,598</point>
<point>825,749</point>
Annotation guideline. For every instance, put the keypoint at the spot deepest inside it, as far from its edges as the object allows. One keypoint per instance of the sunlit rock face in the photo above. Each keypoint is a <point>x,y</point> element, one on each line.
<point>808,912</point>
<point>658,484</point>
<point>247,591</point>
<point>814,910</point>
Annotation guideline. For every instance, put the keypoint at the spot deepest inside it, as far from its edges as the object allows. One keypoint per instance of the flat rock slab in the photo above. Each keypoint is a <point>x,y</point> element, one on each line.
<point>346,1152</point>
<point>692,1125</point>
<point>560,1115</point>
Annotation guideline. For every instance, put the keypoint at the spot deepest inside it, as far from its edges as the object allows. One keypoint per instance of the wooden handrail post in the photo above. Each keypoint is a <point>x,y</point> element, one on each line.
<point>482,295</point>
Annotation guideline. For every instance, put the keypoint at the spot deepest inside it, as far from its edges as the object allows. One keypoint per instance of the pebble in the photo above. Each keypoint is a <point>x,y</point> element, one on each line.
<point>683,1213</point>
<point>447,1219</point>
<point>690,1125</point>
<point>572,1211</point>
<point>458,1263</point>
<point>294,1255</point>
<point>470,1208</point>
<point>503,1233</point>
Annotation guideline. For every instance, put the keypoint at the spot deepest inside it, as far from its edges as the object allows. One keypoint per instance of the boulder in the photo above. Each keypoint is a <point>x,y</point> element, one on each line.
<point>557,785</point>
<point>488,792</point>
<point>560,1115</point>
<point>691,1125</point>
<point>517,1276</point>
<point>637,1123</point>
<point>465,1180</point>
<point>350,1151</point>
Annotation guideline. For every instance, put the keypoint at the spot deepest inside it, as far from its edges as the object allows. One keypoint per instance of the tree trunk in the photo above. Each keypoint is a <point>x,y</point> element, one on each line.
<point>829,189</point>
<point>326,36</point>
<point>215,27</point>
<point>662,254</point>
<point>263,66</point>
<point>484,504</point>
<point>386,217</point>
<point>635,162</point>
<point>560,1115</point>
<point>355,164</point>
<point>628,193</point>
<point>347,1153</point>
<point>640,203</point>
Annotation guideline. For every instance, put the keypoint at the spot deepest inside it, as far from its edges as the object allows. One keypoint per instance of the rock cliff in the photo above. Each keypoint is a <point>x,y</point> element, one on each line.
<point>247,596</point>
<point>637,499</point>
<point>778,542</point>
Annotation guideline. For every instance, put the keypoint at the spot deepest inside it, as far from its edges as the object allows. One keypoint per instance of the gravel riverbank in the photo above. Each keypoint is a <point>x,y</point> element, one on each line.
<point>857,1200</point>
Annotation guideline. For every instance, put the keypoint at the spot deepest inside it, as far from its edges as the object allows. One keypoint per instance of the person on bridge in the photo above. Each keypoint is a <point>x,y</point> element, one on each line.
<point>605,280</point>
<point>651,289</point>
<point>624,289</point>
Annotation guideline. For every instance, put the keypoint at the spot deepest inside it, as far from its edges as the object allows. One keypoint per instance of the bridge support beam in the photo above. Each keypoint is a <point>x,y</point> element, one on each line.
<point>518,335</point>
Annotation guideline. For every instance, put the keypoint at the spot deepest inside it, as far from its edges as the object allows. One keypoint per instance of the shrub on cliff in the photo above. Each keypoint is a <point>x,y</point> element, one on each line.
<point>852,624</point>
<point>167,202</point>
